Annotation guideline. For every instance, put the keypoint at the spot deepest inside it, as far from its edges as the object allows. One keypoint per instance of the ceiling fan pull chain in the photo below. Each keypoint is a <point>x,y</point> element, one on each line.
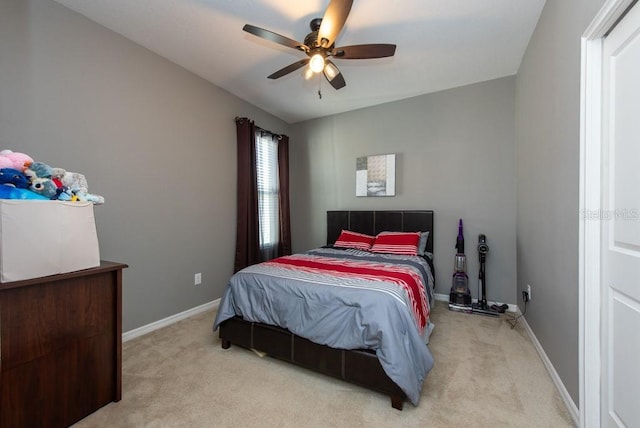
<point>319,84</point>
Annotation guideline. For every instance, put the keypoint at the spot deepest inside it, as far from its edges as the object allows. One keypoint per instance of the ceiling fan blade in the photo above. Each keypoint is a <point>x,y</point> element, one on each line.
<point>364,51</point>
<point>275,37</point>
<point>289,68</point>
<point>333,20</point>
<point>333,75</point>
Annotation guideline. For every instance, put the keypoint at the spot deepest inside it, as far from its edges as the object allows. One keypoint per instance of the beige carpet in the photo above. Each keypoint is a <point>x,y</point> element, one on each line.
<point>485,374</point>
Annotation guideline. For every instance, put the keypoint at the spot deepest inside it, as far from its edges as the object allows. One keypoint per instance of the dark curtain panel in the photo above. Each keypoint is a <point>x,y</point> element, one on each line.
<point>247,230</point>
<point>284,247</point>
<point>248,250</point>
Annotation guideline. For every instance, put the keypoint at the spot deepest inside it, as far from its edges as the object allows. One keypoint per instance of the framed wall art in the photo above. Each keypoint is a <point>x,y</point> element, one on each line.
<point>376,175</point>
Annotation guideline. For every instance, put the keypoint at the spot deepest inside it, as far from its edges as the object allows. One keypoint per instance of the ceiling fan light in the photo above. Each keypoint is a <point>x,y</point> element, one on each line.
<point>330,71</point>
<point>308,74</point>
<point>317,63</point>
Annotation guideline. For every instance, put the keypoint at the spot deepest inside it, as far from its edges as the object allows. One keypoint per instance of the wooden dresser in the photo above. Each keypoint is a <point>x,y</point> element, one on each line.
<point>60,346</point>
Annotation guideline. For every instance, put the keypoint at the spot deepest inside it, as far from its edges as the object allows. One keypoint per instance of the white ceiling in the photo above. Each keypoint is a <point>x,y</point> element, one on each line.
<point>440,44</point>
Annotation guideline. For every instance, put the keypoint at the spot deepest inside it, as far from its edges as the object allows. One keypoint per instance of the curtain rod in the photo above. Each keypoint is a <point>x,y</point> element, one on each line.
<point>241,119</point>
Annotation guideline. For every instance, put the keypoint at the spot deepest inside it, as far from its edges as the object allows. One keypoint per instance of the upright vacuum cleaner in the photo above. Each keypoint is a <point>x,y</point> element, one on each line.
<point>460,295</point>
<point>481,306</point>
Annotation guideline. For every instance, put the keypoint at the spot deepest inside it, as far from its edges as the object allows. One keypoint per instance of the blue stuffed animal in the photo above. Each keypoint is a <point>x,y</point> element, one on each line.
<point>46,187</point>
<point>10,192</point>
<point>38,170</point>
<point>13,177</point>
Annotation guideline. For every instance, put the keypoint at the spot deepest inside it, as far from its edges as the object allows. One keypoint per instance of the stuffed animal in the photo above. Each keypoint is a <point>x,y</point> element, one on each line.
<point>13,177</point>
<point>8,192</point>
<point>90,197</point>
<point>75,181</point>
<point>44,187</point>
<point>19,161</point>
<point>51,183</point>
<point>5,162</point>
<point>38,170</point>
<point>49,189</point>
<point>77,185</point>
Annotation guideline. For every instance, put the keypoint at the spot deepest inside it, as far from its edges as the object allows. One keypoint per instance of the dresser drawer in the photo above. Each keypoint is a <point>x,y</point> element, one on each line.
<point>40,319</point>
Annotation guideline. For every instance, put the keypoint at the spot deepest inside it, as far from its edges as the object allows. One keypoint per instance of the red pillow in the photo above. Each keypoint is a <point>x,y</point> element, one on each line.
<point>348,239</point>
<point>397,243</point>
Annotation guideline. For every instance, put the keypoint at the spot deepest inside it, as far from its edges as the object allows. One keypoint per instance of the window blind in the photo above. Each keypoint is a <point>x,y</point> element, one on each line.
<point>268,190</point>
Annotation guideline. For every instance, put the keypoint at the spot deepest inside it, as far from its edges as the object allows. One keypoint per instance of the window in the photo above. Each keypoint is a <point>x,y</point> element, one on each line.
<point>263,228</point>
<point>268,192</point>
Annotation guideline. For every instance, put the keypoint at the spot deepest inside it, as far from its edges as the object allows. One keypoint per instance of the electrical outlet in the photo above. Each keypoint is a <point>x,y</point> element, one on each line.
<point>197,279</point>
<point>529,291</point>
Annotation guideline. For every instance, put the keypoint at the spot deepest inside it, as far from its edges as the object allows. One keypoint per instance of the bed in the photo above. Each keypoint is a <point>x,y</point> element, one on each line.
<point>353,341</point>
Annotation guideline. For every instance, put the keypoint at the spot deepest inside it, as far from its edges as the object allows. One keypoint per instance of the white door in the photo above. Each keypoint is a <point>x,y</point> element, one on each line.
<point>620,219</point>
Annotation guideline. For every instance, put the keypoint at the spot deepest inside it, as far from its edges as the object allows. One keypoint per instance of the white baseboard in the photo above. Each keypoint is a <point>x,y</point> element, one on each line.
<point>555,378</point>
<point>564,394</point>
<point>145,329</point>
<point>441,297</point>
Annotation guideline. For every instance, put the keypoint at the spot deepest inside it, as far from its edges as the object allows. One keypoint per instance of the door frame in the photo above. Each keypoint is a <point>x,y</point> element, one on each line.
<point>590,209</point>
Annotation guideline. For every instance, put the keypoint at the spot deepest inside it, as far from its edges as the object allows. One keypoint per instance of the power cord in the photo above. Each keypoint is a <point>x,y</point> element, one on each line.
<point>514,320</point>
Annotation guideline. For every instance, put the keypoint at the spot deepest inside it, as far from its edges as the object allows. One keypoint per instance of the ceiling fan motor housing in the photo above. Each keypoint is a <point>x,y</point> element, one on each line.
<point>315,24</point>
<point>311,39</point>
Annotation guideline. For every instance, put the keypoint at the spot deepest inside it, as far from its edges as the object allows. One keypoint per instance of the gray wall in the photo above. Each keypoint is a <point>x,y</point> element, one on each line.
<point>548,145</point>
<point>455,155</point>
<point>155,140</point>
<point>145,132</point>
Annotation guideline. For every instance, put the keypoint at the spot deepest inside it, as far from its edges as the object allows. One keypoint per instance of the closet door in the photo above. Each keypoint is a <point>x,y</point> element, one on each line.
<point>621,224</point>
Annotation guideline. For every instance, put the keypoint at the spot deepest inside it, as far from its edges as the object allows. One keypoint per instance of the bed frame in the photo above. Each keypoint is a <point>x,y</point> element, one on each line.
<point>360,367</point>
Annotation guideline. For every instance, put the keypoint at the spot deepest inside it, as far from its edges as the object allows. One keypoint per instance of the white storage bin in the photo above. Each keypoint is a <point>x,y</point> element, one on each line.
<point>42,238</point>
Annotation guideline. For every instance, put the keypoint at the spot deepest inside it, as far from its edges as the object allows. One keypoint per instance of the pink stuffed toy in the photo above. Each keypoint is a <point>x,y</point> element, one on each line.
<point>5,162</point>
<point>19,161</point>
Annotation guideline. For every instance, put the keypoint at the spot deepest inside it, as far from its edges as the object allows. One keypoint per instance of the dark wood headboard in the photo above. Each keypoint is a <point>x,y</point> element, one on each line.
<point>374,222</point>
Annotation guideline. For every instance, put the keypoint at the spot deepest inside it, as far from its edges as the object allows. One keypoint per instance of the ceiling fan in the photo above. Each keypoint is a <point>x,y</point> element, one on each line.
<point>319,45</point>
